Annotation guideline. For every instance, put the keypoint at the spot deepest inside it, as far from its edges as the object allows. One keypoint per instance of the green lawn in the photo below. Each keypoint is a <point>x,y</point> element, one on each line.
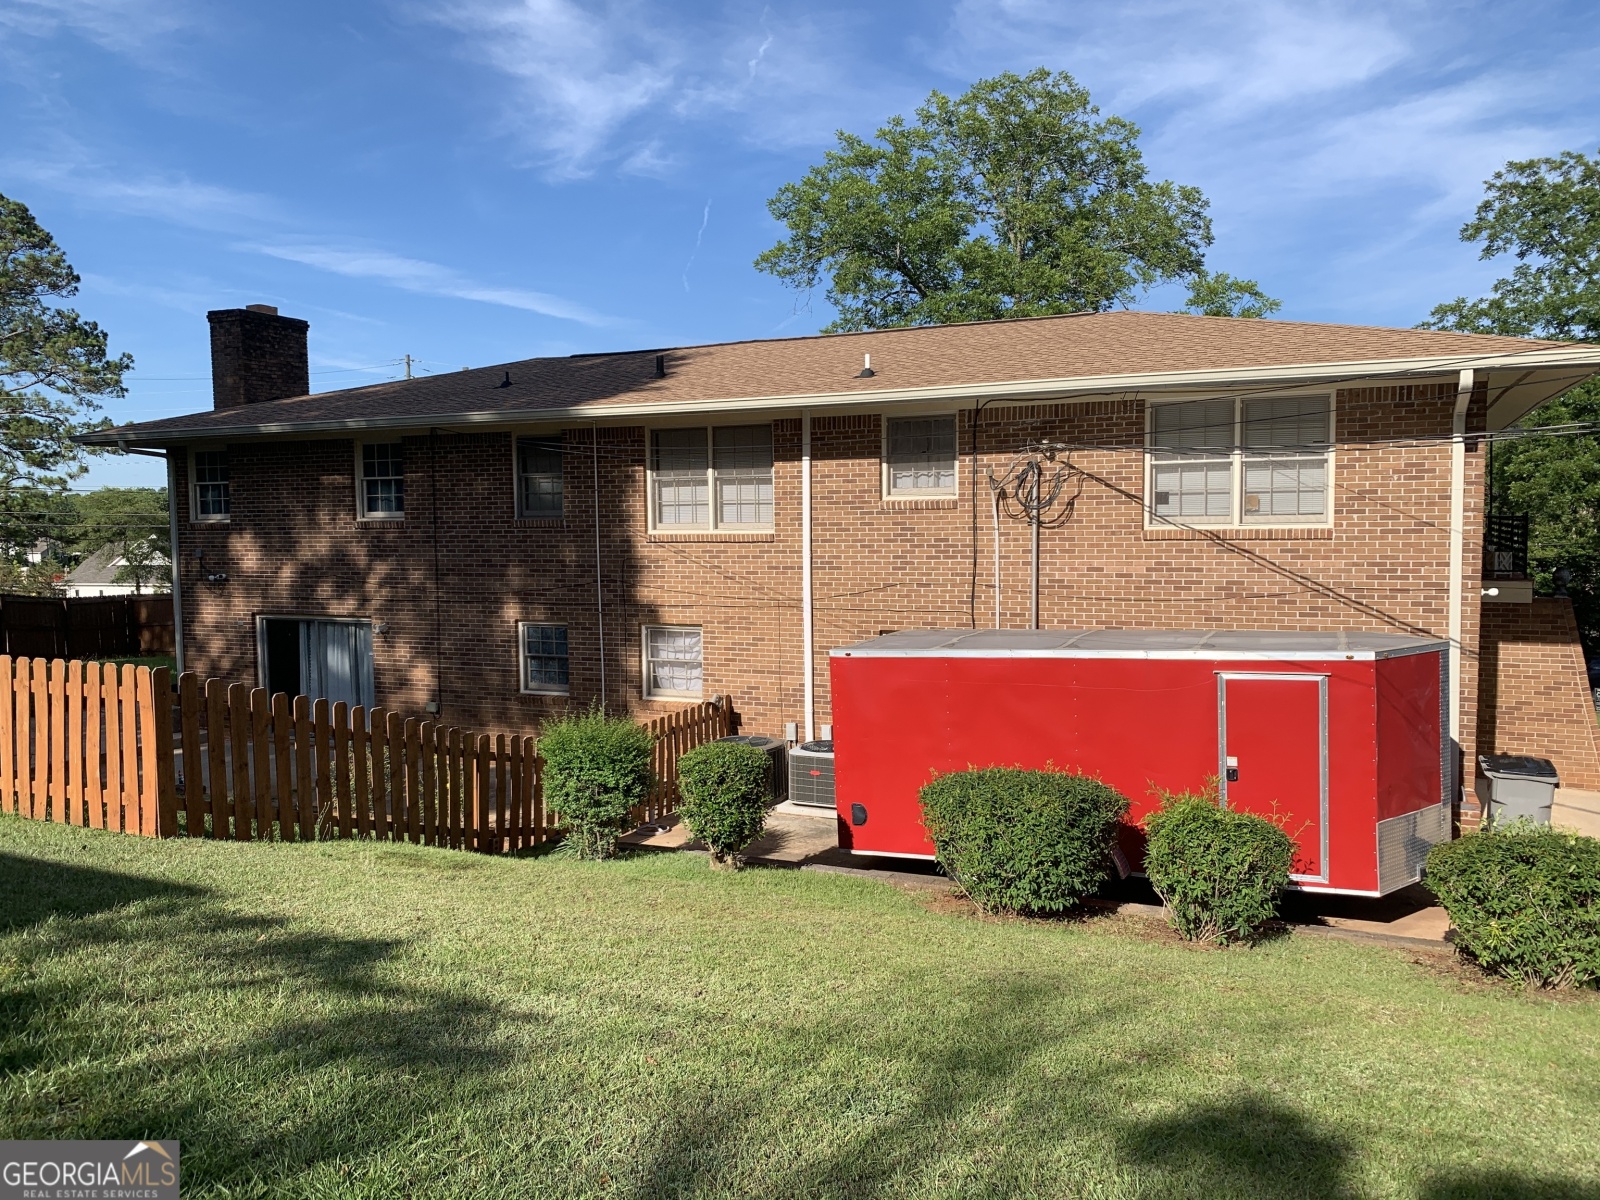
<point>354,1020</point>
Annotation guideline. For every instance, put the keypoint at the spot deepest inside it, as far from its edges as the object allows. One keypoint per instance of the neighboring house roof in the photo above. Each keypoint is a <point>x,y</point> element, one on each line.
<point>1021,360</point>
<point>100,568</point>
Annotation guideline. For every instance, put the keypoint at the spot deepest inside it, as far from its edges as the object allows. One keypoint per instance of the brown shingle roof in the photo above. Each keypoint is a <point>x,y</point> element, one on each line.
<point>949,356</point>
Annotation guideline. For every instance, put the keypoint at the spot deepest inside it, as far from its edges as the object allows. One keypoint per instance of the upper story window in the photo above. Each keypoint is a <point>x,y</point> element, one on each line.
<point>919,456</point>
<point>383,480</point>
<point>210,499</point>
<point>539,476</point>
<point>719,478</point>
<point>1241,461</point>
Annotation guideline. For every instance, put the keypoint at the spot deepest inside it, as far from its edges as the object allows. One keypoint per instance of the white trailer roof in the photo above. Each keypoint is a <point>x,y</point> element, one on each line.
<point>1139,643</point>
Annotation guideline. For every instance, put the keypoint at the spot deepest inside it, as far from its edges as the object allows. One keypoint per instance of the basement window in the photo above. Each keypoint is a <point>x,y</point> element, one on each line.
<point>544,659</point>
<point>672,662</point>
<point>539,476</point>
<point>709,479</point>
<point>382,493</point>
<point>1240,461</point>
<point>919,457</point>
<point>209,498</point>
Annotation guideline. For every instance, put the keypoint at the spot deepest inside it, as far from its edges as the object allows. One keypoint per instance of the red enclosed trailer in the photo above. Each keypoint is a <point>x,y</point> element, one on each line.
<point>1342,736</point>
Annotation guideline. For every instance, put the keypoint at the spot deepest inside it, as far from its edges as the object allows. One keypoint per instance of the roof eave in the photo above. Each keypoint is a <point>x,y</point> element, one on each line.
<point>1014,391</point>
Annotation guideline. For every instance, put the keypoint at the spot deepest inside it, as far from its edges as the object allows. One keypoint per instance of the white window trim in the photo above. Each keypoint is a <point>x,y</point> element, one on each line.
<point>711,526</point>
<point>644,663</point>
<point>361,483</point>
<point>194,488</point>
<point>1236,459</point>
<point>559,437</point>
<point>522,659</point>
<point>883,457</point>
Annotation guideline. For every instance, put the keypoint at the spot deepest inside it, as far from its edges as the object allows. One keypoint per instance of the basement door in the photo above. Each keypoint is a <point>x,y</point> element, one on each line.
<point>1272,739</point>
<point>316,657</point>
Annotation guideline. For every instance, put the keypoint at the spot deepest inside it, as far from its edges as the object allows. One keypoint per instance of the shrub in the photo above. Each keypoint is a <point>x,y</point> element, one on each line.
<point>1023,841</point>
<point>725,795</point>
<point>1219,871</point>
<point>596,768</point>
<point>1525,901</point>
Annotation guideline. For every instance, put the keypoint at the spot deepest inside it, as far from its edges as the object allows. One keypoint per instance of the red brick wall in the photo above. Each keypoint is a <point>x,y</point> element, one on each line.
<point>294,546</point>
<point>1536,697</point>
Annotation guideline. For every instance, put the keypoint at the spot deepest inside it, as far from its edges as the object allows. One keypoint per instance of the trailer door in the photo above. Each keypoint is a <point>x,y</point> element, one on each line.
<point>1272,739</point>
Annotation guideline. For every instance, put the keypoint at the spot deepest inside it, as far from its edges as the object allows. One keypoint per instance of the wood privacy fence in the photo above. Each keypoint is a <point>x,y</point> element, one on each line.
<point>46,627</point>
<point>95,745</point>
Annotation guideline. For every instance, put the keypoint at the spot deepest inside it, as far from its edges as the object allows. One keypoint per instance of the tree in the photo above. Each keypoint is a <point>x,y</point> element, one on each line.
<point>1015,199</point>
<point>54,369</point>
<point>134,523</point>
<point>1546,212</point>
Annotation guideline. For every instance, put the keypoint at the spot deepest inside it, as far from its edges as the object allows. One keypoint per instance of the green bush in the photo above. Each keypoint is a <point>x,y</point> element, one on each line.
<point>1023,841</point>
<point>1218,871</point>
<point>725,794</point>
<point>1525,901</point>
<point>596,768</point>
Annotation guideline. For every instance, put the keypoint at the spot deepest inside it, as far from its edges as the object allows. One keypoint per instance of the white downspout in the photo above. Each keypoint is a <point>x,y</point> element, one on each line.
<point>1458,522</point>
<point>809,646</point>
<point>177,586</point>
<point>599,586</point>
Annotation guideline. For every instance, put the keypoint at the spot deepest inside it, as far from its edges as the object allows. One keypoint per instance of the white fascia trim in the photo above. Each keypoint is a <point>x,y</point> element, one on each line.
<point>1030,391</point>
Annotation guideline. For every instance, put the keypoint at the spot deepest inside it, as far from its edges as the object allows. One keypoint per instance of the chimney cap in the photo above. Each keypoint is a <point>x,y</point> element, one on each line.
<point>270,309</point>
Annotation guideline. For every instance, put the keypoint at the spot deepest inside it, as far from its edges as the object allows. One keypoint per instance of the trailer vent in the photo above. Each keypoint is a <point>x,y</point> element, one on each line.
<point>811,774</point>
<point>777,760</point>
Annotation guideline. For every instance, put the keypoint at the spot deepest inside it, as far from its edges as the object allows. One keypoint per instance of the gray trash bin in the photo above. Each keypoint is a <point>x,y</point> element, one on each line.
<point>1512,786</point>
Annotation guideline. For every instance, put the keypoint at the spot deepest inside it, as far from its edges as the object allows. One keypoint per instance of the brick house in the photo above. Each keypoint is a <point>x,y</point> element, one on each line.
<point>496,545</point>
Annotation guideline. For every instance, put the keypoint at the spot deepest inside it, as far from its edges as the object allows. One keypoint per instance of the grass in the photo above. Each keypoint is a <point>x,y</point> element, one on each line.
<point>346,1019</point>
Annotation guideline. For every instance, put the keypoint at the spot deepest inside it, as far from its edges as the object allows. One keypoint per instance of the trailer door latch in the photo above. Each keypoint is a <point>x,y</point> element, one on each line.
<point>858,814</point>
<point>1233,774</point>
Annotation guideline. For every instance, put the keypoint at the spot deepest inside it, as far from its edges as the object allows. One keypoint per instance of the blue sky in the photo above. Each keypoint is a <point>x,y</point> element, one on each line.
<point>471,181</point>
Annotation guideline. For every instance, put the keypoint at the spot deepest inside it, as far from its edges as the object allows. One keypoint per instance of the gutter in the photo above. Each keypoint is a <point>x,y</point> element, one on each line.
<point>956,395</point>
<point>1458,519</point>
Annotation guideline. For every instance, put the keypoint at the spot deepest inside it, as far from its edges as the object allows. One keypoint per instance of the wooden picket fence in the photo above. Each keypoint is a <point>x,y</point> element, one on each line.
<point>93,745</point>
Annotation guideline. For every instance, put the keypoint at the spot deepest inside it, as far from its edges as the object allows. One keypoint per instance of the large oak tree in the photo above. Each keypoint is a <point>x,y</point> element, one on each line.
<point>1015,199</point>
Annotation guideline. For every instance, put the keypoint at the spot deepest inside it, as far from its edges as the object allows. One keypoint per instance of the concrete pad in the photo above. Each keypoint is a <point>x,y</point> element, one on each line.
<point>1575,810</point>
<point>791,837</point>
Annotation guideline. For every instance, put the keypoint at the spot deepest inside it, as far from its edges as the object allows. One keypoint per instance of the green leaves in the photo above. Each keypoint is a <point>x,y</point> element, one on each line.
<point>53,362</point>
<point>1015,199</point>
<point>596,769</point>
<point>1546,212</point>
<point>725,795</point>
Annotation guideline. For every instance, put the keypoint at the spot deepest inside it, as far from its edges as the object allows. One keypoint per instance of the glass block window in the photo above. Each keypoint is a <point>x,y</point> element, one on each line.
<point>212,501</point>
<point>544,659</point>
<point>741,465</point>
<point>383,480</point>
<point>539,476</point>
<point>1241,461</point>
<point>717,478</point>
<point>920,456</point>
<point>672,664</point>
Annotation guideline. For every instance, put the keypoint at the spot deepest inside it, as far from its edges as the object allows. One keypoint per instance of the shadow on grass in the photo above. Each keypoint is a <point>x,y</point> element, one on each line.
<point>216,1062</point>
<point>35,889</point>
<point>1505,1185</point>
<point>1247,1147</point>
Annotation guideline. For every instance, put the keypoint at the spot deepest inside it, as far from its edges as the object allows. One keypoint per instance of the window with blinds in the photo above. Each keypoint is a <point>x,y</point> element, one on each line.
<point>672,661</point>
<point>539,476</point>
<point>1241,461</point>
<point>718,478</point>
<point>383,481</point>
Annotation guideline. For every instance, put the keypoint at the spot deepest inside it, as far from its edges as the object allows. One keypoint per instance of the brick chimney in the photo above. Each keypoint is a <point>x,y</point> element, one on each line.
<point>256,355</point>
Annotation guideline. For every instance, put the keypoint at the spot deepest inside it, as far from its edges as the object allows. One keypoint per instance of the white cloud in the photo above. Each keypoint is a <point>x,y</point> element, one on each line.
<point>579,76</point>
<point>122,25</point>
<point>426,278</point>
<point>174,198</point>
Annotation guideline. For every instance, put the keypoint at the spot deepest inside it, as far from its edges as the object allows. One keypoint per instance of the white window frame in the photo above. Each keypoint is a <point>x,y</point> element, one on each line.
<point>889,493</point>
<point>712,525</point>
<point>361,481</point>
<point>522,660</point>
<point>559,438</point>
<point>644,662</point>
<point>195,516</point>
<point>1237,457</point>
